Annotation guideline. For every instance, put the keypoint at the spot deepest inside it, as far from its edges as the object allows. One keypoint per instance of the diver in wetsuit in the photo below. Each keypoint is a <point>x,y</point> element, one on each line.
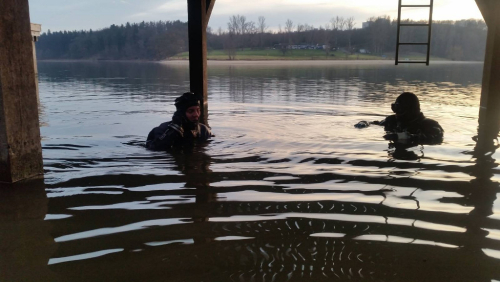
<point>184,130</point>
<point>408,124</point>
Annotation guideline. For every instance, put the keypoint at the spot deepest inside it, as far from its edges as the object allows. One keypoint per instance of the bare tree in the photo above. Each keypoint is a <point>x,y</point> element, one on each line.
<point>288,26</point>
<point>261,25</point>
<point>379,31</point>
<point>229,46</point>
<point>308,27</point>
<point>337,24</point>
<point>289,30</point>
<point>233,25</point>
<point>250,28</point>
<point>342,23</point>
<point>238,25</point>
<point>284,49</point>
<point>242,23</point>
<point>333,23</point>
<point>349,23</point>
<point>327,37</point>
<point>300,28</point>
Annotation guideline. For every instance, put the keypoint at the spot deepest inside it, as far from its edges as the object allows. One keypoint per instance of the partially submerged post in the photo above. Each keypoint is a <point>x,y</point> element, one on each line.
<point>489,113</point>
<point>35,33</point>
<point>199,12</point>
<point>20,147</point>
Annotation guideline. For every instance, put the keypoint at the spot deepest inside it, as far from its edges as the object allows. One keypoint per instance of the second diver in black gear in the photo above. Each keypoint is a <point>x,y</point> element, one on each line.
<point>408,124</point>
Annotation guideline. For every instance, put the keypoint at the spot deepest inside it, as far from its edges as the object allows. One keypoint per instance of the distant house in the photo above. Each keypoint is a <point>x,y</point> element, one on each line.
<point>365,24</point>
<point>363,51</point>
<point>306,47</point>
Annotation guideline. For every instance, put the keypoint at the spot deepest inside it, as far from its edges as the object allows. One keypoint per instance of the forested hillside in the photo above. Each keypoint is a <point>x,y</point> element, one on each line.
<point>455,40</point>
<point>142,41</point>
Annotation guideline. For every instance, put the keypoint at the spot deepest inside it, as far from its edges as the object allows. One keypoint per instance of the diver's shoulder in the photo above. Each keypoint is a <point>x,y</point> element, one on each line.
<point>430,122</point>
<point>205,131</point>
<point>391,118</point>
<point>164,125</point>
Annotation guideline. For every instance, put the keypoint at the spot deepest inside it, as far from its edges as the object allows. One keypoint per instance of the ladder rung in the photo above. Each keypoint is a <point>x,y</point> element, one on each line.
<point>409,43</point>
<point>415,6</point>
<point>413,24</point>
<point>412,62</point>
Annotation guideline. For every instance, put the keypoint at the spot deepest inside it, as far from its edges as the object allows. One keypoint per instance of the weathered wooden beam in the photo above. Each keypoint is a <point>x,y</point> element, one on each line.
<point>20,148</point>
<point>197,26</point>
<point>489,113</point>
<point>483,7</point>
<point>210,6</point>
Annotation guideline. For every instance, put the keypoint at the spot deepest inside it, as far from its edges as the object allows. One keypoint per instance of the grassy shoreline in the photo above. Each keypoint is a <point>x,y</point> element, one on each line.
<point>292,55</point>
<point>274,55</point>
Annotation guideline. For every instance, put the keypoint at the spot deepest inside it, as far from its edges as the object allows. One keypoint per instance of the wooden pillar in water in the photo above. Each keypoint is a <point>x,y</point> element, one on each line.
<point>20,148</point>
<point>35,34</point>
<point>198,16</point>
<point>489,113</point>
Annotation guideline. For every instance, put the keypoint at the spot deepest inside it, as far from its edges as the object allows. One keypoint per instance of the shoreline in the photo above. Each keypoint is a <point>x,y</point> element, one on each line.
<point>257,62</point>
<point>303,62</point>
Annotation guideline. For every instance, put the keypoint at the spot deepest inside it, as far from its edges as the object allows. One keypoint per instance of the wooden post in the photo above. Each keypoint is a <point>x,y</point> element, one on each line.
<point>199,12</point>
<point>35,34</point>
<point>489,113</point>
<point>20,148</point>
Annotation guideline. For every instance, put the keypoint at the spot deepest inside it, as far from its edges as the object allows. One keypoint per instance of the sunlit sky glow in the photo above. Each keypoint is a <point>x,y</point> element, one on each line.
<point>97,14</point>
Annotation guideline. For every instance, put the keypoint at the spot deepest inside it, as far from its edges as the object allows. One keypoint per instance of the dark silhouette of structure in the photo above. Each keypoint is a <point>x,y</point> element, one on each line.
<point>20,147</point>
<point>489,112</point>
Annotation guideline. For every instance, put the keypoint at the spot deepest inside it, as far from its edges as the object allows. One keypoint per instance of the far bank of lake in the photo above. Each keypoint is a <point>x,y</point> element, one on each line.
<point>293,55</point>
<point>307,63</point>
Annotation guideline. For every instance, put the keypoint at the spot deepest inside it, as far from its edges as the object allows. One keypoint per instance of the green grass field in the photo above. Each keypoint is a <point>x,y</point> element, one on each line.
<point>273,54</point>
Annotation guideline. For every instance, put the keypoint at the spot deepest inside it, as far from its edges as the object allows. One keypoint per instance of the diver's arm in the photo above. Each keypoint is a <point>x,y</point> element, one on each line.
<point>364,123</point>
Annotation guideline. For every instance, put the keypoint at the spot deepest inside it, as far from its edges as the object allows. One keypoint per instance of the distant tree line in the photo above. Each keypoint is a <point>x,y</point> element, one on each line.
<point>456,40</point>
<point>138,41</point>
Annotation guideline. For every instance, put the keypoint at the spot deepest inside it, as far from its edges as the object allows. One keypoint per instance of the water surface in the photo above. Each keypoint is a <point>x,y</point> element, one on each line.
<point>288,190</point>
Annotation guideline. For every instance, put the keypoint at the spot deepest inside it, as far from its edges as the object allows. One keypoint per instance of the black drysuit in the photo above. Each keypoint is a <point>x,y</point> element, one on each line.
<point>171,135</point>
<point>421,130</point>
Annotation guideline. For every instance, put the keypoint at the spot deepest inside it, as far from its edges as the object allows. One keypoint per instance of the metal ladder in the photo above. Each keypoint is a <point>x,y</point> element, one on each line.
<point>429,25</point>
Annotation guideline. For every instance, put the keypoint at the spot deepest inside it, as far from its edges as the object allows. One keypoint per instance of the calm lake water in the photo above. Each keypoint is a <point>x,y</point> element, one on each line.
<point>288,190</point>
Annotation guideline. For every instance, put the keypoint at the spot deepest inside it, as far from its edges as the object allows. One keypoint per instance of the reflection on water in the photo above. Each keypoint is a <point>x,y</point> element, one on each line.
<point>288,190</point>
<point>25,242</point>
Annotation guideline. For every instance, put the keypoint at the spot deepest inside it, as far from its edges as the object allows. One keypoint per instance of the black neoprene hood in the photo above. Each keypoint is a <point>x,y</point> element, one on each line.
<point>186,100</point>
<point>406,102</point>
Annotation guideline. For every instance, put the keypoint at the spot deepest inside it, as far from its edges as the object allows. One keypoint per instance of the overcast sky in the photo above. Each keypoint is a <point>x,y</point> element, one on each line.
<point>96,14</point>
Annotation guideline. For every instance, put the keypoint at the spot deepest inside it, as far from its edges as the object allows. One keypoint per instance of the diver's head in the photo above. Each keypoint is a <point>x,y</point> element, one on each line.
<point>406,106</point>
<point>188,106</point>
